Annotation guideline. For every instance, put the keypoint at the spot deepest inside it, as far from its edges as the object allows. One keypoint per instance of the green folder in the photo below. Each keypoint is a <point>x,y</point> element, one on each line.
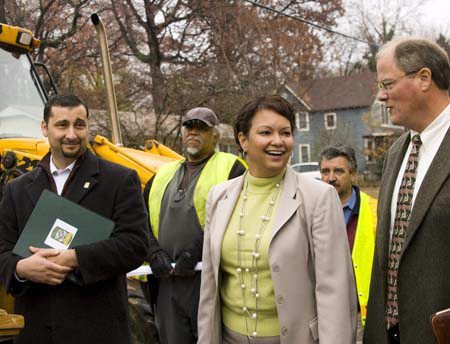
<point>57,222</point>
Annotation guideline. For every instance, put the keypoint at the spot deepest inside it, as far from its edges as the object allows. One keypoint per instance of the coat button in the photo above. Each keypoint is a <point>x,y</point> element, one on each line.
<point>275,268</point>
<point>284,331</point>
<point>280,299</point>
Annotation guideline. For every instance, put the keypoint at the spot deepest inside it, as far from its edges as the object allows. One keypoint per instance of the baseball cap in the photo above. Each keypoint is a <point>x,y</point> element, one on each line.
<point>203,114</point>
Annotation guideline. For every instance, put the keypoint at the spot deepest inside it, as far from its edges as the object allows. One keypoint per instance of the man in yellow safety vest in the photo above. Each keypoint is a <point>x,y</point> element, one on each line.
<point>176,200</point>
<point>338,167</point>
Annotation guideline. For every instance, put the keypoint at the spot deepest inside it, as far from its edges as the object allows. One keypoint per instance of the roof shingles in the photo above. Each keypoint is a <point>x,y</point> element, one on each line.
<point>353,91</point>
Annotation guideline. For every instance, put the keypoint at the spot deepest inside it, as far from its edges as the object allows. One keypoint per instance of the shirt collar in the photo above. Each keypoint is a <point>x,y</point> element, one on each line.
<point>431,133</point>
<point>54,169</point>
<point>352,200</point>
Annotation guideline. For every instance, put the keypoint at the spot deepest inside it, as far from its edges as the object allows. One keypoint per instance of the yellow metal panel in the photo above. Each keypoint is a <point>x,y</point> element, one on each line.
<point>16,36</point>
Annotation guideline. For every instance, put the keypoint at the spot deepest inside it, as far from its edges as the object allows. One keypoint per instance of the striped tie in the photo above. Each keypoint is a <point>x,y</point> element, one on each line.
<point>402,214</point>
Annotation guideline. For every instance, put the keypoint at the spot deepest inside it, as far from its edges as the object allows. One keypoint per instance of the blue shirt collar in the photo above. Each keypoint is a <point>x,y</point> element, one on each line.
<point>352,200</point>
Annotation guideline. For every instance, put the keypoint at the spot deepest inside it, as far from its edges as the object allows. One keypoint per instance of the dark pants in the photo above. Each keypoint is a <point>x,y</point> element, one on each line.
<point>177,309</point>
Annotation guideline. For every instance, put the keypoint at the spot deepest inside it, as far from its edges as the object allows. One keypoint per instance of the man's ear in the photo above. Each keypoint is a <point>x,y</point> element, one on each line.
<point>44,128</point>
<point>425,77</point>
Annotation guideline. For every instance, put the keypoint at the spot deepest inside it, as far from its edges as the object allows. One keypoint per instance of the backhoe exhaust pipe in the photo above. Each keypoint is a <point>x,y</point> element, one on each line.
<point>107,75</point>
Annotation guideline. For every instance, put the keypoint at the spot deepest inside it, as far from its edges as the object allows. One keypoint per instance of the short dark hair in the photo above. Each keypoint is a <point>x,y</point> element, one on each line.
<point>412,54</point>
<point>337,150</point>
<point>276,103</point>
<point>63,100</point>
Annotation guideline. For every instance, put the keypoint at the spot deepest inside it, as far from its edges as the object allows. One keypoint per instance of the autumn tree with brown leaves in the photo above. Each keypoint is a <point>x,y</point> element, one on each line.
<point>171,55</point>
<point>219,53</point>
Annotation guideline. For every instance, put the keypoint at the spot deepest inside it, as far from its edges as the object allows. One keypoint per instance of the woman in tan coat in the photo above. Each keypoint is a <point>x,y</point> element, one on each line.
<point>276,262</point>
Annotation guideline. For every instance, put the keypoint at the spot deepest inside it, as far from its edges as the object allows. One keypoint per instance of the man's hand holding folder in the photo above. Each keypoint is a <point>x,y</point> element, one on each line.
<point>49,266</point>
<point>63,257</point>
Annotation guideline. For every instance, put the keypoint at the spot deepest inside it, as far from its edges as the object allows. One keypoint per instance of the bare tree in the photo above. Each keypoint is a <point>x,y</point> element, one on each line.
<point>160,35</point>
<point>218,53</point>
<point>2,12</point>
<point>444,42</point>
<point>170,55</point>
<point>375,22</point>
<point>380,21</point>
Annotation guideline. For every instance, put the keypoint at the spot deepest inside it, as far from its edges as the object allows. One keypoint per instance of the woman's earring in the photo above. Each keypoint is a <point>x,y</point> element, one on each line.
<point>244,154</point>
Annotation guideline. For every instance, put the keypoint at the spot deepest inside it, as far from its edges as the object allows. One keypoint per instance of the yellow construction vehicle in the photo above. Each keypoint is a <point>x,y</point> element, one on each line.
<point>22,99</point>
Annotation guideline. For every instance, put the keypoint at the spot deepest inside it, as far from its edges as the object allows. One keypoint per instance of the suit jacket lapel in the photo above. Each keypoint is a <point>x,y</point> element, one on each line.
<point>436,175</point>
<point>390,174</point>
<point>287,204</point>
<point>226,207</point>
<point>84,179</point>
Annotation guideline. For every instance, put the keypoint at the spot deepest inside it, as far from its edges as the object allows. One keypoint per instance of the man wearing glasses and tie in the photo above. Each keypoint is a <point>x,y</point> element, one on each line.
<point>411,266</point>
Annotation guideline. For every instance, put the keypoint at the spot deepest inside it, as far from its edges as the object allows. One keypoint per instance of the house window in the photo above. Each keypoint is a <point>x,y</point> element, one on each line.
<point>302,121</point>
<point>369,151</point>
<point>330,120</point>
<point>304,154</point>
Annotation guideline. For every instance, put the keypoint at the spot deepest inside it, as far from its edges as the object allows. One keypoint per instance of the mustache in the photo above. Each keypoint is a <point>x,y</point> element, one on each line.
<point>194,138</point>
<point>334,183</point>
<point>71,142</point>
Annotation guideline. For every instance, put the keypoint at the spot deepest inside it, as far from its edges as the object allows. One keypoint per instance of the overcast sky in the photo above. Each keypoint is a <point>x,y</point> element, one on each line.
<point>436,14</point>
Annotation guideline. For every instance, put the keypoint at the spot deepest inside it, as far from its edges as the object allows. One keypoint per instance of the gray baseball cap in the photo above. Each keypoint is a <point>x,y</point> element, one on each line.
<point>203,114</point>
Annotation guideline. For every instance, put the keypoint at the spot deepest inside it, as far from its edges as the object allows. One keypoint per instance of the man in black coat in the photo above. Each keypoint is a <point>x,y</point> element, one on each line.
<point>57,310</point>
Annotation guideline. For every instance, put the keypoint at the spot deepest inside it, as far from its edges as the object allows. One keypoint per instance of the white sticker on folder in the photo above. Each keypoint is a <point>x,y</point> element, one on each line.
<point>61,235</point>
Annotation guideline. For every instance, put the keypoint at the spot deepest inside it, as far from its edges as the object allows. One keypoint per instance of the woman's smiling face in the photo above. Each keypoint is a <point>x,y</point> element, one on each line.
<point>268,143</point>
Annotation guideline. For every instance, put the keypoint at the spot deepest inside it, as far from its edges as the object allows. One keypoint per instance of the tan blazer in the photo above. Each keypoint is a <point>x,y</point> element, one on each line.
<point>309,259</point>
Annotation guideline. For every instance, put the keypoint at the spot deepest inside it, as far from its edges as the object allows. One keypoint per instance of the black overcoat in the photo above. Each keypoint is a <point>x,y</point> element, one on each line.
<point>96,312</point>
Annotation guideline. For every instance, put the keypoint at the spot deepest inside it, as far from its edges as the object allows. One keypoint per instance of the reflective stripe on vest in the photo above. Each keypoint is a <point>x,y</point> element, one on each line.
<point>216,170</point>
<point>363,249</point>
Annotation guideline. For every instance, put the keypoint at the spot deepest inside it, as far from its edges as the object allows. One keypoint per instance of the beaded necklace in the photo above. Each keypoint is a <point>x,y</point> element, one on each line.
<point>253,270</point>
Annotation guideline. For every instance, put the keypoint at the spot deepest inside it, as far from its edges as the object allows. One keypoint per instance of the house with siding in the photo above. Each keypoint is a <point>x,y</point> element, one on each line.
<point>333,110</point>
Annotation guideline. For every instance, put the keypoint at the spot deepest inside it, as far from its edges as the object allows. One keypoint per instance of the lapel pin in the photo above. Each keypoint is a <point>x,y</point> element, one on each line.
<point>86,185</point>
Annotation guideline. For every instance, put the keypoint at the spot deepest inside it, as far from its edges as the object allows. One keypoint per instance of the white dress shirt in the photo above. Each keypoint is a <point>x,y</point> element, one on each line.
<point>431,137</point>
<point>60,176</point>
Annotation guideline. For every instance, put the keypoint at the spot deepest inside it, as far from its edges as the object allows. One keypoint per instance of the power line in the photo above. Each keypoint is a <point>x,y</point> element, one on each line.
<point>309,22</point>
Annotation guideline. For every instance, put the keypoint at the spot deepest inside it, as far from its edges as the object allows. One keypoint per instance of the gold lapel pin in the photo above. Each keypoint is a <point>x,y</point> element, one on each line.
<point>86,185</point>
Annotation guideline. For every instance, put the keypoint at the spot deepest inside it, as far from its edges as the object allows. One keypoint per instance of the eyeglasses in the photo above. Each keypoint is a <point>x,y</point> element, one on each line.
<point>388,85</point>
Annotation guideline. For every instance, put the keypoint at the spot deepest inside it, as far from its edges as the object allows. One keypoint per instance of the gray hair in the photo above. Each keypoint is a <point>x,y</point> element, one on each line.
<point>337,150</point>
<point>412,54</point>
